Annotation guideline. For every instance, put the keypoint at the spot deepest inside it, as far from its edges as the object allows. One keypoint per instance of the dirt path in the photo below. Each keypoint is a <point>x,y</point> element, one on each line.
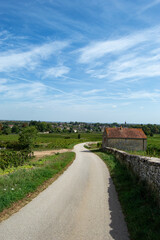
<point>40,154</point>
<point>81,204</point>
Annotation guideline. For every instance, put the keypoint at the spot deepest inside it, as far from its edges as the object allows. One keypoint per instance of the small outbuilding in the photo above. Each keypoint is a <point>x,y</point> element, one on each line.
<point>131,139</point>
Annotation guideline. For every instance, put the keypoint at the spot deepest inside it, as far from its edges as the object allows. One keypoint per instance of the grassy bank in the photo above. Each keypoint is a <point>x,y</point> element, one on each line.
<point>139,206</point>
<point>20,183</point>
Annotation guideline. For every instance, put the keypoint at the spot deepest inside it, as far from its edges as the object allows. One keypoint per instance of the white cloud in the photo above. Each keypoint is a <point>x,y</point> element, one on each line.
<point>98,50</point>
<point>21,91</point>
<point>56,71</point>
<point>140,62</point>
<point>12,60</point>
<point>153,96</point>
<point>93,91</point>
<point>150,5</point>
<point>114,106</point>
<point>130,67</point>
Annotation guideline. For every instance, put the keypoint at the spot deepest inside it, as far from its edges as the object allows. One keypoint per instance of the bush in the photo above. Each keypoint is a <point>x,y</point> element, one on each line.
<point>15,145</point>
<point>13,158</point>
<point>27,138</point>
<point>99,145</point>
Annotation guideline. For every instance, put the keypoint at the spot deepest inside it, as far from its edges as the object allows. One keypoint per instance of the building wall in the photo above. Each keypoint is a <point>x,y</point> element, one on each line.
<point>146,168</point>
<point>125,144</point>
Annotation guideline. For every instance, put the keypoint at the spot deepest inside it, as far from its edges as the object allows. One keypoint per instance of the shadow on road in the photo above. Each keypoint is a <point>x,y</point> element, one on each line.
<point>119,230</point>
<point>86,151</point>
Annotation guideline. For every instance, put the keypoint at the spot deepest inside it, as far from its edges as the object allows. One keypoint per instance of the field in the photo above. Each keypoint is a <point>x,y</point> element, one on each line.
<point>60,141</point>
<point>12,157</point>
<point>54,140</point>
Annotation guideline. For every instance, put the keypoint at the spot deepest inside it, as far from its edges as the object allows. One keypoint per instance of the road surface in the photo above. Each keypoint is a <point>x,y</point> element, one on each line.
<point>80,205</point>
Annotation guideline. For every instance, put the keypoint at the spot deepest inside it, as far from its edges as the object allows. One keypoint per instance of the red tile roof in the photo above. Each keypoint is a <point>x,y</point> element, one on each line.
<point>125,133</point>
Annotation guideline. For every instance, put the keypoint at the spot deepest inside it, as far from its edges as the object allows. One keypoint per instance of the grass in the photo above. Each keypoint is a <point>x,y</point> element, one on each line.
<point>139,206</point>
<point>9,138</point>
<point>20,183</point>
<point>64,140</point>
<point>55,140</point>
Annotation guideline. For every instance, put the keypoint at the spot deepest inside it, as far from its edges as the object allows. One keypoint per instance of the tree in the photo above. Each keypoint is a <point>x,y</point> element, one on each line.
<point>15,129</point>
<point>27,138</point>
<point>146,130</point>
<point>6,130</point>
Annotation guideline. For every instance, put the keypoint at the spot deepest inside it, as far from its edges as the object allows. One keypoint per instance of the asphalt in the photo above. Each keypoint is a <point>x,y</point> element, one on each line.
<point>81,204</point>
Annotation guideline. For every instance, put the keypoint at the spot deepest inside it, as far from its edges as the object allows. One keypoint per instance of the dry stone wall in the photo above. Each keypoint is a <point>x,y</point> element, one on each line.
<point>146,168</point>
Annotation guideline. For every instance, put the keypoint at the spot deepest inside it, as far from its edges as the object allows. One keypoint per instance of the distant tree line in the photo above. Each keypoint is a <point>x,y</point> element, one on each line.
<point>16,127</point>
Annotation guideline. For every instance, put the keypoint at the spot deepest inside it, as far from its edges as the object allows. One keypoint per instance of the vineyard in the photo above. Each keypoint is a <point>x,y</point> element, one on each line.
<point>51,141</point>
<point>153,145</point>
<point>11,156</point>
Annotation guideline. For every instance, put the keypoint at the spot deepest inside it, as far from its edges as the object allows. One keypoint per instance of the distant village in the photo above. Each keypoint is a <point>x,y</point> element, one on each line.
<point>15,127</point>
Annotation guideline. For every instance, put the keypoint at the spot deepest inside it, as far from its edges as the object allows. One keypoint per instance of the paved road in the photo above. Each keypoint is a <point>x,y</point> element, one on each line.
<point>80,205</point>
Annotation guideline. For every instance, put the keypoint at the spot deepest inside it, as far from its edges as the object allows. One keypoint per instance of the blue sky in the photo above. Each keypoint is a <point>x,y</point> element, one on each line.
<point>91,61</point>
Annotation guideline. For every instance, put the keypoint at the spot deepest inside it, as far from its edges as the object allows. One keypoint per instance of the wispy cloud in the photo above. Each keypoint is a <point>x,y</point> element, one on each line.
<point>132,58</point>
<point>12,60</point>
<point>130,67</point>
<point>12,91</point>
<point>93,91</point>
<point>56,71</point>
<point>98,50</point>
<point>150,5</point>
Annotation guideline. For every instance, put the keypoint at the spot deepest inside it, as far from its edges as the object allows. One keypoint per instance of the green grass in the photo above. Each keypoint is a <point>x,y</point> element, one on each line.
<point>20,183</point>
<point>10,137</point>
<point>61,140</point>
<point>55,140</point>
<point>139,206</point>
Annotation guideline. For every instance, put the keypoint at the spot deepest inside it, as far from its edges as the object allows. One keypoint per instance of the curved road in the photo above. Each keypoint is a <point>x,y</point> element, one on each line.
<point>80,205</point>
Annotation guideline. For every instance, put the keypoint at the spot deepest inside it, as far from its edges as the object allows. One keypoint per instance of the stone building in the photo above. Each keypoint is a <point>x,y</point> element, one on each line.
<point>131,139</point>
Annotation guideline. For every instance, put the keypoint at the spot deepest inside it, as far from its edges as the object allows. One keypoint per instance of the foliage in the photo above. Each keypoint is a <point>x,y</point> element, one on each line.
<point>15,129</point>
<point>12,158</point>
<point>27,138</point>
<point>6,130</point>
<point>141,211</point>
<point>18,184</point>
<point>65,140</point>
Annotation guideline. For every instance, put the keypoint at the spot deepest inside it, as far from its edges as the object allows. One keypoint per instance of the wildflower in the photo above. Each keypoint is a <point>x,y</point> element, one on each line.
<point>12,189</point>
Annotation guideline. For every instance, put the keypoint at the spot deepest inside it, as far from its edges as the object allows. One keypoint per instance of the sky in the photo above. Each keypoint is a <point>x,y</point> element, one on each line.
<point>89,61</point>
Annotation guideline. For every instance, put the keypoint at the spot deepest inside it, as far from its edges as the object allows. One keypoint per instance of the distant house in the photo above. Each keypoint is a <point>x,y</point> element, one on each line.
<point>132,139</point>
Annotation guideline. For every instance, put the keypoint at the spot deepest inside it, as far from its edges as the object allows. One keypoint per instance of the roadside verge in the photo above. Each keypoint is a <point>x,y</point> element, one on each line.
<point>21,186</point>
<point>139,206</point>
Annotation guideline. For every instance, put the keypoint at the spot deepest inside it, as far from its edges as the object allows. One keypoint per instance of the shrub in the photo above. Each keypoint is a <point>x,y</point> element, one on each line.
<point>13,158</point>
<point>27,138</point>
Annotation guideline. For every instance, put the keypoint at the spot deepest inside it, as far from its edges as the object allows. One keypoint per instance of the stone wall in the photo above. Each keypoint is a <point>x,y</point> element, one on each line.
<point>146,168</point>
<point>128,144</point>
